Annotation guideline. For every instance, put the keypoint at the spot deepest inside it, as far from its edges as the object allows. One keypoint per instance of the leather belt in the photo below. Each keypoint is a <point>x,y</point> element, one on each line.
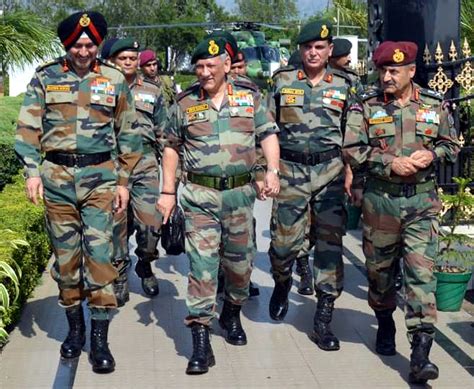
<point>400,190</point>
<point>77,160</point>
<point>311,159</point>
<point>220,183</point>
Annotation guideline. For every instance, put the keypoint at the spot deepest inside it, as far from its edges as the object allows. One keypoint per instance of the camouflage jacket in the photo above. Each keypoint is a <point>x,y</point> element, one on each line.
<point>219,142</point>
<point>380,130</point>
<point>309,117</point>
<point>151,110</point>
<point>66,113</point>
<point>167,86</point>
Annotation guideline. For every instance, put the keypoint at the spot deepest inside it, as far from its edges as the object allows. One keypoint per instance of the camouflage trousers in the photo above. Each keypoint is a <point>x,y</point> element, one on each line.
<point>321,188</point>
<point>144,187</point>
<point>219,228</point>
<point>79,221</point>
<point>402,227</point>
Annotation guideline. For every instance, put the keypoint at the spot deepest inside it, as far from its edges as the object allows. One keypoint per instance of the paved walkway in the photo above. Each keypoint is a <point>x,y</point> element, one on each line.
<point>151,345</point>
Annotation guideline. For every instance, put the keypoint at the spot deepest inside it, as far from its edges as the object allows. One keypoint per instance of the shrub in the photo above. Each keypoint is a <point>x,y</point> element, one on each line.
<point>27,221</point>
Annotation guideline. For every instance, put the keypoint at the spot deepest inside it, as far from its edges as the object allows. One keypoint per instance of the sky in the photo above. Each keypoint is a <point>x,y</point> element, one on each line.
<point>306,8</point>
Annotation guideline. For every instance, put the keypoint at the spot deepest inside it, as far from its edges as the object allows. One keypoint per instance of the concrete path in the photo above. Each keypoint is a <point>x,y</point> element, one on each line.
<point>151,345</point>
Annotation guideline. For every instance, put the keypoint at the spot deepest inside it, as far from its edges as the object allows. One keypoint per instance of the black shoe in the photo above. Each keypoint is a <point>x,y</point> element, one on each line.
<point>306,277</point>
<point>422,369</point>
<point>203,357</point>
<point>100,355</point>
<point>322,334</point>
<point>149,281</point>
<point>385,343</point>
<point>253,290</point>
<point>278,307</point>
<point>230,322</point>
<point>76,337</point>
<point>121,291</point>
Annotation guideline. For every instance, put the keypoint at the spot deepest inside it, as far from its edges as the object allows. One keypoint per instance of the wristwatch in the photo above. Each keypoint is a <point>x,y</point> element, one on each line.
<point>275,171</point>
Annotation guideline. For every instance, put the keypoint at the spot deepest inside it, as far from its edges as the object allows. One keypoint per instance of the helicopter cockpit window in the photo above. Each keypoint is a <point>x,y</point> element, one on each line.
<point>250,53</point>
<point>271,54</point>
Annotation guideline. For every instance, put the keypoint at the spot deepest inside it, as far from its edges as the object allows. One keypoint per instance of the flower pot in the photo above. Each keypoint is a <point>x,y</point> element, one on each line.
<point>353,217</point>
<point>450,290</point>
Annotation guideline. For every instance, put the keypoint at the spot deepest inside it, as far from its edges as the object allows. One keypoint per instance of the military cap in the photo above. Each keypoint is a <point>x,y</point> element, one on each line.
<point>318,30</point>
<point>239,57</point>
<point>209,47</point>
<point>231,44</point>
<point>341,47</point>
<point>126,44</point>
<point>395,53</point>
<point>147,56</point>
<point>89,22</point>
<point>105,51</point>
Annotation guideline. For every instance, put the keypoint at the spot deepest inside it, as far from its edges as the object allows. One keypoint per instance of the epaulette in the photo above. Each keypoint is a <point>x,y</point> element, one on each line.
<point>287,68</point>
<point>431,93</point>
<point>148,81</point>
<point>246,84</point>
<point>49,63</point>
<point>109,64</point>
<point>340,73</point>
<point>369,93</point>
<point>193,88</point>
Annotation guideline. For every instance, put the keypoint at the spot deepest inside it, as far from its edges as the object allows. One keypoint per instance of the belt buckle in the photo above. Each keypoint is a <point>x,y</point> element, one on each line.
<point>308,159</point>
<point>224,185</point>
<point>409,190</point>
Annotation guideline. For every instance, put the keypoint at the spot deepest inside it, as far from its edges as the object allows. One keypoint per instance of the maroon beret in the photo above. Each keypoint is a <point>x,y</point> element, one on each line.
<point>90,22</point>
<point>147,56</point>
<point>395,53</point>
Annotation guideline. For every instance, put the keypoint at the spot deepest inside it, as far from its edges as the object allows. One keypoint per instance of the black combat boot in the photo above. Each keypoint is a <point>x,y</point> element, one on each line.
<point>279,301</point>
<point>121,291</point>
<point>76,337</point>
<point>203,357</point>
<point>322,334</point>
<point>422,369</point>
<point>306,277</point>
<point>100,355</point>
<point>149,281</point>
<point>385,343</point>
<point>230,321</point>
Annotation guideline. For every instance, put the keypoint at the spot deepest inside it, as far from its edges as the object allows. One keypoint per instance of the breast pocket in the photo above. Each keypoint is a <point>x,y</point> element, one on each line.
<point>382,135</point>
<point>291,108</point>
<point>144,107</point>
<point>102,108</point>
<point>59,106</point>
<point>242,118</point>
<point>198,125</point>
<point>426,133</point>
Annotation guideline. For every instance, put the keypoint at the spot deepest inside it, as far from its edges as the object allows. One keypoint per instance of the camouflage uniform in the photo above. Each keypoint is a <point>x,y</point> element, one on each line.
<point>400,214</point>
<point>310,120</point>
<point>216,144</point>
<point>144,182</point>
<point>63,113</point>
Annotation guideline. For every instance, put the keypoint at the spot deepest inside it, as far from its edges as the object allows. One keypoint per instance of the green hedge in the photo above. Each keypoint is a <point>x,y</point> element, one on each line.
<point>9,165</point>
<point>19,215</point>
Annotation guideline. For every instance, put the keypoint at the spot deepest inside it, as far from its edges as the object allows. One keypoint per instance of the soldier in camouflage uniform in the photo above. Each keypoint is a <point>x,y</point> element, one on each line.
<point>144,182</point>
<point>77,111</point>
<point>308,104</point>
<point>216,123</point>
<point>393,139</point>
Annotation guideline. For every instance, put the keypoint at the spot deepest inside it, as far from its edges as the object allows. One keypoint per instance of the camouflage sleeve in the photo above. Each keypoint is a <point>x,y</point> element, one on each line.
<point>129,141</point>
<point>173,136</point>
<point>271,105</point>
<point>160,115</point>
<point>30,128</point>
<point>446,145</point>
<point>263,120</point>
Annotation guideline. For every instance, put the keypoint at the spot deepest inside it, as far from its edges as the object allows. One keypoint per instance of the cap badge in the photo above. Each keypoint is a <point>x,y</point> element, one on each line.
<point>213,48</point>
<point>324,31</point>
<point>398,56</point>
<point>85,20</point>
<point>135,45</point>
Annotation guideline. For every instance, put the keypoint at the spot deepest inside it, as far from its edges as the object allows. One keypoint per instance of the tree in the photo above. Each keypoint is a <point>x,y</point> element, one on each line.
<point>467,22</point>
<point>23,40</point>
<point>267,11</point>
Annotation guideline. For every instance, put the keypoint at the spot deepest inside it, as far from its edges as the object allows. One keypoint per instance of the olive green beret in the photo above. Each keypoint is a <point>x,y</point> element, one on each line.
<point>318,30</point>
<point>126,44</point>
<point>209,47</point>
<point>231,44</point>
<point>341,47</point>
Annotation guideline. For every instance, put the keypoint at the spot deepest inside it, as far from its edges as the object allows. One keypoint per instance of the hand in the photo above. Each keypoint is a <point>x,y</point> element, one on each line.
<point>405,166</point>
<point>272,184</point>
<point>259,186</point>
<point>34,189</point>
<point>165,205</point>
<point>356,197</point>
<point>424,157</point>
<point>348,180</point>
<point>121,199</point>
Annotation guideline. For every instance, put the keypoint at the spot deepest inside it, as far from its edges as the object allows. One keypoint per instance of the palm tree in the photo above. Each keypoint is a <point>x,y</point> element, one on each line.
<point>351,13</point>
<point>467,21</point>
<point>24,39</point>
